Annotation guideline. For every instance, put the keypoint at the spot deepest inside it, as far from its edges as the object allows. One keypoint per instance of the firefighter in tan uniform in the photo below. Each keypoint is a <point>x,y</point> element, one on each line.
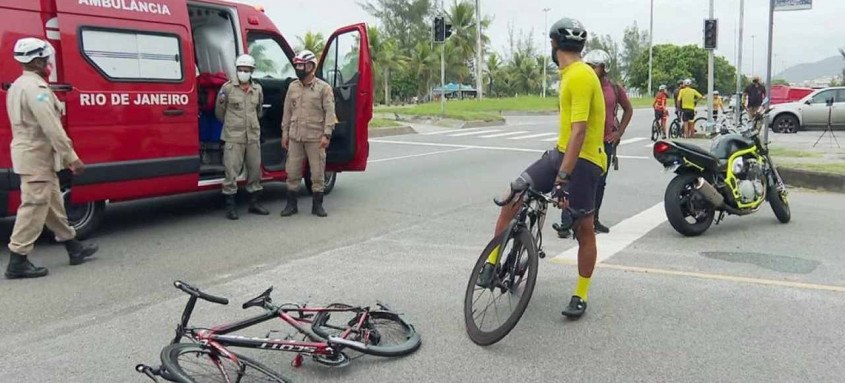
<point>307,126</point>
<point>239,106</point>
<point>39,149</point>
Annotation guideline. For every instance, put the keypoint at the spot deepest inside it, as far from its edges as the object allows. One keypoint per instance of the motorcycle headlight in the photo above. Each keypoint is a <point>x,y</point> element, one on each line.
<point>737,165</point>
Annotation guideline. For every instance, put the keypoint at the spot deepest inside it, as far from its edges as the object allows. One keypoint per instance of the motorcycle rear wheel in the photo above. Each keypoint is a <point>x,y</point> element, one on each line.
<point>681,203</point>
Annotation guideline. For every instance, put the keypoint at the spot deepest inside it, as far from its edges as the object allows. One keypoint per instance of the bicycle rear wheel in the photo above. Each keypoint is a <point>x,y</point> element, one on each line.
<point>513,283</point>
<point>190,363</point>
<point>675,129</point>
<point>700,124</point>
<point>384,333</point>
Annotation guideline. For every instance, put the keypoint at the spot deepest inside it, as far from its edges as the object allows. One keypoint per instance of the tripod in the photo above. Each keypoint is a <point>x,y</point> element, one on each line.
<point>829,128</point>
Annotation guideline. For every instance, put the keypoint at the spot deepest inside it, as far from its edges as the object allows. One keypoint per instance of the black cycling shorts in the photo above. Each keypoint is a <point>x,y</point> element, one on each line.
<point>582,187</point>
<point>688,115</point>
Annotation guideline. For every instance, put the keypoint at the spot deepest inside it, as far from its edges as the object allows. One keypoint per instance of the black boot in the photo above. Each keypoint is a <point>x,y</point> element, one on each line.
<point>20,267</point>
<point>231,210</point>
<point>291,208</point>
<point>77,252</point>
<point>254,206</point>
<point>599,227</point>
<point>317,205</point>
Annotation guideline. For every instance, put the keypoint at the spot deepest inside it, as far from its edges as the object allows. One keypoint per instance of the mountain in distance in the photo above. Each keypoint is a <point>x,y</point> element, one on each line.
<point>829,67</point>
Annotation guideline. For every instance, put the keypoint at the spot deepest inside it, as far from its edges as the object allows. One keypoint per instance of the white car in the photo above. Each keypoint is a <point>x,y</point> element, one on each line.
<point>811,112</point>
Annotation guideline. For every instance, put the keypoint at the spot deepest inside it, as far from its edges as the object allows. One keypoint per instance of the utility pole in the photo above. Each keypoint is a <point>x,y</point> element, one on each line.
<point>650,44</point>
<point>479,84</point>
<point>710,79</point>
<point>738,95</point>
<point>753,37</point>
<point>545,57</point>
<point>769,68</point>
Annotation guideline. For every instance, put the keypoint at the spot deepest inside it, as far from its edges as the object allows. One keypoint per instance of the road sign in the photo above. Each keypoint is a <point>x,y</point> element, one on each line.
<point>793,5</point>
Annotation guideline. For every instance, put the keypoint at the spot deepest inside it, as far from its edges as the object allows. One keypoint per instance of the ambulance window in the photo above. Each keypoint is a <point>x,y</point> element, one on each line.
<point>270,59</point>
<point>340,66</point>
<point>132,56</point>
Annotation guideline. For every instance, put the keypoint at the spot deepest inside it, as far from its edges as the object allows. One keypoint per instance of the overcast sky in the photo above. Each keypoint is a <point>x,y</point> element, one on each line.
<point>799,36</point>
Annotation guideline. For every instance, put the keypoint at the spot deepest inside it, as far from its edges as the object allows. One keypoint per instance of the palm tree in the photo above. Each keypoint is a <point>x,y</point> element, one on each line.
<point>314,42</point>
<point>493,71</point>
<point>424,64</point>
<point>263,64</point>
<point>386,58</point>
<point>464,33</point>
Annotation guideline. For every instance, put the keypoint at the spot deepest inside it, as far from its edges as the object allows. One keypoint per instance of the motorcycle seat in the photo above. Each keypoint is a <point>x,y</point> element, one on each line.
<point>697,149</point>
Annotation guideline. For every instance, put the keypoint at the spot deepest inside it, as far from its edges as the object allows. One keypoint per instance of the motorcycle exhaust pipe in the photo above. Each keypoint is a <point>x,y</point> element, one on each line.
<point>709,193</point>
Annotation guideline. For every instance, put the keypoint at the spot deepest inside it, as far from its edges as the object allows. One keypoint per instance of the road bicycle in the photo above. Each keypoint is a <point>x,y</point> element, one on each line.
<point>333,330</point>
<point>515,272</point>
<point>676,128</point>
<point>657,129</point>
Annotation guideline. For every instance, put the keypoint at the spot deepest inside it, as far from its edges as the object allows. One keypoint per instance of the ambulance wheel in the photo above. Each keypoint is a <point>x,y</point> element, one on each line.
<point>84,217</point>
<point>331,178</point>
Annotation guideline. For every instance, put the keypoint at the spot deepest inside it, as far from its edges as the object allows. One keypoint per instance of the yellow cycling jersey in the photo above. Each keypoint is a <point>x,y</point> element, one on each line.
<point>582,100</point>
<point>688,96</point>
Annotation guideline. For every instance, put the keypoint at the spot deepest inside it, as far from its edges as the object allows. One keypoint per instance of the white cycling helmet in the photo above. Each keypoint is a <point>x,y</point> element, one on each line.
<point>716,92</point>
<point>597,57</point>
<point>662,87</point>
<point>245,60</point>
<point>305,56</point>
<point>30,48</point>
<point>687,82</point>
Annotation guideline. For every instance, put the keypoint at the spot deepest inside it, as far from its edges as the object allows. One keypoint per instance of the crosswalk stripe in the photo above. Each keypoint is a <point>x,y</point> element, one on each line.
<point>505,134</point>
<point>474,133</point>
<point>550,139</point>
<point>632,140</point>
<point>450,131</point>
<point>532,136</point>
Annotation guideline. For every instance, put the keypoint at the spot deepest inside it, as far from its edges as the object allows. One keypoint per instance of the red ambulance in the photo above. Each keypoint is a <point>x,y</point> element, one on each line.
<point>139,79</point>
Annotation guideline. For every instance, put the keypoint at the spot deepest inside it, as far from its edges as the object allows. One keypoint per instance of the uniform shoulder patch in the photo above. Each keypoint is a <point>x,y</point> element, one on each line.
<point>42,97</point>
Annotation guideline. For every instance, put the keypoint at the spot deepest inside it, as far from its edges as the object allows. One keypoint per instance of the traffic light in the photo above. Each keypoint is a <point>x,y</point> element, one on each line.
<point>711,33</point>
<point>448,31</point>
<point>439,29</point>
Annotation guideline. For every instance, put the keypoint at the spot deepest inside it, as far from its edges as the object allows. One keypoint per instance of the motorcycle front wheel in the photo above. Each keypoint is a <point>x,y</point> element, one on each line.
<point>688,212</point>
<point>780,204</point>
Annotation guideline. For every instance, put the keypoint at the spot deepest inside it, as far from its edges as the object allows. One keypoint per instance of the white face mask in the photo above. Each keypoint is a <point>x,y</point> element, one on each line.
<point>244,76</point>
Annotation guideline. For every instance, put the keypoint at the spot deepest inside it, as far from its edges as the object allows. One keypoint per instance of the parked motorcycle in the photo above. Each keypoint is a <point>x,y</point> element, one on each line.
<point>734,177</point>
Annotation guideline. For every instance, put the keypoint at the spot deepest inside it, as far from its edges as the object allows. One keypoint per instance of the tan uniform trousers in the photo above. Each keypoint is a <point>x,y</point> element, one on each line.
<point>41,204</point>
<point>235,156</point>
<point>297,152</point>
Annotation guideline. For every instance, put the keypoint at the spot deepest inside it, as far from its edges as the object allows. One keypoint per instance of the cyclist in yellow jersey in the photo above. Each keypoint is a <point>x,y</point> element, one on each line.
<point>718,105</point>
<point>688,96</point>
<point>574,167</point>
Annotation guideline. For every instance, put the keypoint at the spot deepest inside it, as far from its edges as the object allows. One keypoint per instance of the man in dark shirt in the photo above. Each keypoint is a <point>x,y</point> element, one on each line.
<point>754,94</point>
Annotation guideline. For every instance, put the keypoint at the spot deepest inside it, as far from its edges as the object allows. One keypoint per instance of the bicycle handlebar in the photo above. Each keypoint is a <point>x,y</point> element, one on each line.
<point>193,291</point>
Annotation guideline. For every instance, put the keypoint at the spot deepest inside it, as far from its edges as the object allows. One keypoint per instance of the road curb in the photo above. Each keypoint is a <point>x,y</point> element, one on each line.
<point>392,131</point>
<point>812,179</point>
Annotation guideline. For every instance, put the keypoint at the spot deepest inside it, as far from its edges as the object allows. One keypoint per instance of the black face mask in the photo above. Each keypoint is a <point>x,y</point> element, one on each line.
<point>301,74</point>
<point>554,56</point>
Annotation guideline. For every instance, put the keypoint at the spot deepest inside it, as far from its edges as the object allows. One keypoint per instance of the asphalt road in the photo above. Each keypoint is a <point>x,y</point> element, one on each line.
<point>752,300</point>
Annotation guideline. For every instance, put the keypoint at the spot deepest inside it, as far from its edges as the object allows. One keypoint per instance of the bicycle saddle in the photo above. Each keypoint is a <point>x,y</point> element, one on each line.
<point>260,300</point>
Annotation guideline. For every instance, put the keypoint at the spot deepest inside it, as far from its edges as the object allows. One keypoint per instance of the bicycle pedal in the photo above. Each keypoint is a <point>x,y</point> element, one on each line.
<point>297,361</point>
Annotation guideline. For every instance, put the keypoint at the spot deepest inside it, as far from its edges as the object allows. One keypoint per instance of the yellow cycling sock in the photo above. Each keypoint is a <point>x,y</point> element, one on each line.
<point>583,287</point>
<point>493,258</point>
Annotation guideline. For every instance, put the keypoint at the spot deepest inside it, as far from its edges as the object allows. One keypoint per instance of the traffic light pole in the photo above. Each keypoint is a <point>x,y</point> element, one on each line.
<point>738,95</point>
<point>442,79</point>
<point>710,78</point>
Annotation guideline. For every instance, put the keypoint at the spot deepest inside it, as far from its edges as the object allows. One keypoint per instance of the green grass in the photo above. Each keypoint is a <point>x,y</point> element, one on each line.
<point>835,168</point>
<point>781,152</point>
<point>488,109</point>
<point>376,123</point>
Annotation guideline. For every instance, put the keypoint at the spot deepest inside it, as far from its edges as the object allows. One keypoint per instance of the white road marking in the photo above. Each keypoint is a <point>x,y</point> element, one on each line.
<point>621,235</point>
<point>474,133</point>
<point>533,136</point>
<point>504,134</point>
<point>417,155</point>
<point>449,131</point>
<point>632,140</point>
<point>553,139</point>
<point>651,145</point>
<point>525,150</point>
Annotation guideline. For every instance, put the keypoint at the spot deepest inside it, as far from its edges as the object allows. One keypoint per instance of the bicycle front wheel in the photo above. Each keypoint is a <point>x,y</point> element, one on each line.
<point>190,363</point>
<point>655,130</point>
<point>491,311</point>
<point>383,333</point>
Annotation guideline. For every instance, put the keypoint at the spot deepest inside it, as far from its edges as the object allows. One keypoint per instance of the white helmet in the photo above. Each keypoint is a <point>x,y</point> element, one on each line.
<point>30,48</point>
<point>662,87</point>
<point>716,92</point>
<point>687,82</point>
<point>245,60</point>
<point>305,56</point>
<point>597,57</point>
